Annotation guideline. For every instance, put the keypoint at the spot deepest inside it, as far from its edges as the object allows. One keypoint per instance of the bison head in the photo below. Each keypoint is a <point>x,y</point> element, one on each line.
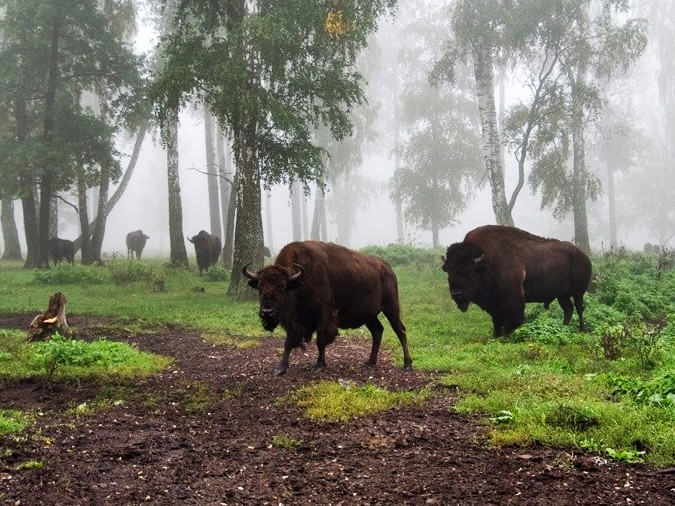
<point>465,264</point>
<point>274,283</point>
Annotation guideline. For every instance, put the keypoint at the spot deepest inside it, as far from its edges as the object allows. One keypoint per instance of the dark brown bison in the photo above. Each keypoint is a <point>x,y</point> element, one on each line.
<point>501,268</point>
<point>316,286</point>
<point>207,249</point>
<point>61,249</point>
<point>135,243</point>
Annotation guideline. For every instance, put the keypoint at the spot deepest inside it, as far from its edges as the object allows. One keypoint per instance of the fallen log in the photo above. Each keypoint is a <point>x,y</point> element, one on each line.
<point>46,324</point>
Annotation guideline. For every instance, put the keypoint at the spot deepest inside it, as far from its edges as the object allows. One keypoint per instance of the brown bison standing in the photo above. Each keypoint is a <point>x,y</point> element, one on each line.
<point>61,249</point>
<point>207,249</point>
<point>135,243</point>
<point>501,268</point>
<point>317,286</point>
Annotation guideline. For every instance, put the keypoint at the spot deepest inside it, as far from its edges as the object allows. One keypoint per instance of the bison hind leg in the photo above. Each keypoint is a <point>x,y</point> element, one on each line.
<point>568,309</point>
<point>376,329</point>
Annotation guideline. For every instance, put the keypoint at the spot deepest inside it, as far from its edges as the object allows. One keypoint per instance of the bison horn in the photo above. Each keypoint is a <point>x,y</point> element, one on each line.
<point>298,274</point>
<point>479,259</point>
<point>190,240</point>
<point>249,274</point>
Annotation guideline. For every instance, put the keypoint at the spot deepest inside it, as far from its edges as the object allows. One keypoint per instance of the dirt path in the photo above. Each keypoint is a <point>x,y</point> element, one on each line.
<point>201,433</point>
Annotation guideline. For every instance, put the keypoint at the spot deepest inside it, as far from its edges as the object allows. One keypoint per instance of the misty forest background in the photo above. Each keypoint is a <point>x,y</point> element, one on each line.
<point>267,121</point>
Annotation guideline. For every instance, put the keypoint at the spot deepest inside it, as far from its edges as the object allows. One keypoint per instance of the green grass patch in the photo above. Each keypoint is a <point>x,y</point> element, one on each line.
<point>342,401</point>
<point>13,421</point>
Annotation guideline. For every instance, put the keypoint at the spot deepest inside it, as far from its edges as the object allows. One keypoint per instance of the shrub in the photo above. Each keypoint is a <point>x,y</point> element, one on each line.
<point>75,274</point>
<point>400,254</point>
<point>127,271</point>
<point>216,273</point>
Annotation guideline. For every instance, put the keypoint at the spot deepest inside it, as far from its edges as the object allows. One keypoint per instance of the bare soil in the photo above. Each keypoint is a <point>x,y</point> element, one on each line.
<point>203,432</point>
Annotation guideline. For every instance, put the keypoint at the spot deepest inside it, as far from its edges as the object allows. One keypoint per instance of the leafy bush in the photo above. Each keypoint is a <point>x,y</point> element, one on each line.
<point>400,254</point>
<point>75,274</point>
<point>657,391</point>
<point>216,273</point>
<point>127,271</point>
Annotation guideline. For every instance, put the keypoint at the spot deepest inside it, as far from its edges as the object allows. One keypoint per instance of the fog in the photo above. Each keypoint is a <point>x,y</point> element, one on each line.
<point>144,204</point>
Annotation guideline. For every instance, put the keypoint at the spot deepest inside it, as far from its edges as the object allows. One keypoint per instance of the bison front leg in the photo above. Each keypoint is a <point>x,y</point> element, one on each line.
<point>324,336</point>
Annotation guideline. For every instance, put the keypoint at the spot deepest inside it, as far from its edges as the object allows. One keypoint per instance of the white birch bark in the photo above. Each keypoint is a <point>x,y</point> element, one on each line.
<point>485,93</point>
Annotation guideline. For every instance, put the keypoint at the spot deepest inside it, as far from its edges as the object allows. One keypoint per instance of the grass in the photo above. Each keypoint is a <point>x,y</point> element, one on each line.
<point>342,401</point>
<point>607,390</point>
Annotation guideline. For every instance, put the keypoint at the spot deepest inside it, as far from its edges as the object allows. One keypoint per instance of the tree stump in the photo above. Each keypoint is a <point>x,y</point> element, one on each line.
<point>46,324</point>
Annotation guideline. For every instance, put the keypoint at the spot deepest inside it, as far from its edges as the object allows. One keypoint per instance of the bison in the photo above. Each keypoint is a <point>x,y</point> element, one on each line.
<point>61,249</point>
<point>316,286</point>
<point>500,268</point>
<point>207,249</point>
<point>135,243</point>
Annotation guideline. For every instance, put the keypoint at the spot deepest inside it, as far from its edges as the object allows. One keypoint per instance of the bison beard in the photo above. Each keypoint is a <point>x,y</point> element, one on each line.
<point>320,287</point>
<point>501,268</point>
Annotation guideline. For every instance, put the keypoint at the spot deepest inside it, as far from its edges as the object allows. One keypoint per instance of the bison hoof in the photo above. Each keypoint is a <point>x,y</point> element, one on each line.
<point>280,370</point>
<point>318,368</point>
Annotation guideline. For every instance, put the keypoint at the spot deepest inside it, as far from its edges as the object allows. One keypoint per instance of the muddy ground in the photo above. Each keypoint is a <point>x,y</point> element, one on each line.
<point>203,432</point>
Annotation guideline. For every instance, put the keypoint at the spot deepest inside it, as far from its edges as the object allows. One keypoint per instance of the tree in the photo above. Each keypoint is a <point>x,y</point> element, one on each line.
<point>477,33</point>
<point>270,71</point>
<point>440,159</point>
<point>567,53</point>
<point>54,53</point>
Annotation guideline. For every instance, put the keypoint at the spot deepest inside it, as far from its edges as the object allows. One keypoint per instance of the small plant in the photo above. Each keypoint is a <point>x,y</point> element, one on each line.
<point>568,417</point>
<point>648,342</point>
<point>503,416</point>
<point>286,442</point>
<point>612,341</point>
<point>30,464</point>
<point>628,456</point>
<point>216,273</point>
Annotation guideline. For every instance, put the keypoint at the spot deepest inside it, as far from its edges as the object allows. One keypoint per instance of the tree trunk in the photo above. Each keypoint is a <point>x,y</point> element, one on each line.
<point>611,198</point>
<point>101,215</point>
<point>178,253</point>
<point>30,226</point>
<point>121,188</point>
<point>579,175</point>
<point>212,173</point>
<point>318,232</point>
<point>248,236</point>
<point>268,220</point>
<point>296,210</point>
<point>485,92</point>
<point>10,234</point>
<point>228,248</point>
<point>226,178</point>
<point>52,320</point>
<point>46,190</point>
<point>83,213</point>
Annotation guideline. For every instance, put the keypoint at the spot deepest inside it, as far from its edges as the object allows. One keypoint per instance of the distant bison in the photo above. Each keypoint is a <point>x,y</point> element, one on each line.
<point>61,249</point>
<point>316,286</point>
<point>207,249</point>
<point>135,243</point>
<point>501,268</point>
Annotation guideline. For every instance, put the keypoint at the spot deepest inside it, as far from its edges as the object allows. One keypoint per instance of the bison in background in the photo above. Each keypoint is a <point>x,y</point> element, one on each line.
<point>135,243</point>
<point>500,268</point>
<point>316,286</point>
<point>61,249</point>
<point>207,249</point>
